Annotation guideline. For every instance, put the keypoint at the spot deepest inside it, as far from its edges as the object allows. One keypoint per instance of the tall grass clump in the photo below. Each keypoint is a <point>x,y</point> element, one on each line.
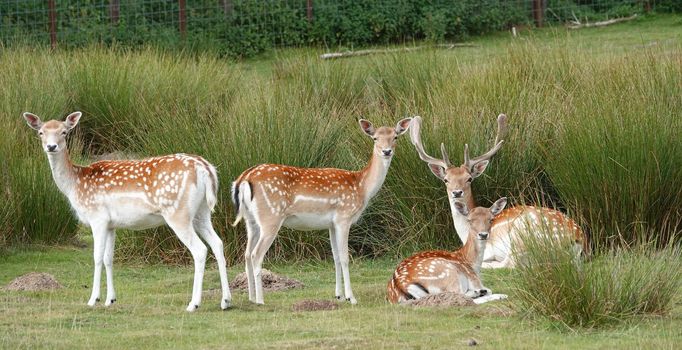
<point>31,203</point>
<point>618,155</point>
<point>594,134</point>
<point>614,287</point>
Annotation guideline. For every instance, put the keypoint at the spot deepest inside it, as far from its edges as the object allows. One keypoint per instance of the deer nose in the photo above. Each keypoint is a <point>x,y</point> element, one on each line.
<point>457,194</point>
<point>387,152</point>
<point>51,148</point>
<point>483,235</point>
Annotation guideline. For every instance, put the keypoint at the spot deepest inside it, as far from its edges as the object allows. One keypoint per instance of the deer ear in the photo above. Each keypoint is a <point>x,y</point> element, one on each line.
<point>402,126</point>
<point>498,206</point>
<point>478,168</point>
<point>462,208</point>
<point>33,120</point>
<point>367,127</point>
<point>72,120</point>
<point>437,170</point>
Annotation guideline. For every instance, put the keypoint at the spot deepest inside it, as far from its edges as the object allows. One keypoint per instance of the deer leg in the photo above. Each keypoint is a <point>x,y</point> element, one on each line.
<point>99,233</point>
<point>337,263</point>
<point>342,229</point>
<point>202,225</point>
<point>185,232</point>
<point>109,266</point>
<point>252,236</point>
<point>268,233</point>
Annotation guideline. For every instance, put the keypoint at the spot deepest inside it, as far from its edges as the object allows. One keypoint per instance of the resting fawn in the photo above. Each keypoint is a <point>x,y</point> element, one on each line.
<point>438,271</point>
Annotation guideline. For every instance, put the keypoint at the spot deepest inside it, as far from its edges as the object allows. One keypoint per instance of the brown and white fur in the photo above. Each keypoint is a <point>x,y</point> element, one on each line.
<point>179,190</point>
<point>270,196</point>
<point>510,224</point>
<point>438,271</point>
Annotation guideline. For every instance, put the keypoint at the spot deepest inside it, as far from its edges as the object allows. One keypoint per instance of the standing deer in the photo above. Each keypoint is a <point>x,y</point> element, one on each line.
<point>438,271</point>
<point>180,190</point>
<point>269,196</point>
<point>510,224</point>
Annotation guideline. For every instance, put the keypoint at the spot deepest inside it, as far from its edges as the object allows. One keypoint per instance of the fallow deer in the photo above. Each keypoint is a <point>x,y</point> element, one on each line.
<point>511,223</point>
<point>180,190</point>
<point>270,196</point>
<point>438,271</point>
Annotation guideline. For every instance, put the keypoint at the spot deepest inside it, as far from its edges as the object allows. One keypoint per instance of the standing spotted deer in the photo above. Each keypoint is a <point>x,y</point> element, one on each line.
<point>270,196</point>
<point>438,271</point>
<point>180,190</point>
<point>511,223</point>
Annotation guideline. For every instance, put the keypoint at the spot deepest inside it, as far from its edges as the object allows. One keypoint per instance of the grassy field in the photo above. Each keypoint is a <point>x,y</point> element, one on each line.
<point>151,301</point>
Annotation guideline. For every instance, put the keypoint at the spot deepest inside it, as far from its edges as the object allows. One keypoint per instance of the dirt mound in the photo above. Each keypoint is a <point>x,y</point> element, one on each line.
<point>34,281</point>
<point>271,282</point>
<point>315,305</point>
<point>442,300</point>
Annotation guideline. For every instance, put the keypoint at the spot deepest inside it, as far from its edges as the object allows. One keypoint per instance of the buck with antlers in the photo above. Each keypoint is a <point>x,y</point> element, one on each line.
<point>438,271</point>
<point>511,223</point>
<point>269,196</point>
<point>180,190</point>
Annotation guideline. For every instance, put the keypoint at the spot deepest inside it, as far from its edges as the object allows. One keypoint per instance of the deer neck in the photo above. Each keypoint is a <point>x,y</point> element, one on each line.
<point>460,221</point>
<point>64,172</point>
<point>373,175</point>
<point>473,251</point>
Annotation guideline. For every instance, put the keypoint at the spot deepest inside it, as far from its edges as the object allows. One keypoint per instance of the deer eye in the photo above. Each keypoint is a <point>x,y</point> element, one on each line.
<point>40,133</point>
<point>374,138</point>
<point>395,138</point>
<point>445,180</point>
<point>469,180</point>
<point>63,133</point>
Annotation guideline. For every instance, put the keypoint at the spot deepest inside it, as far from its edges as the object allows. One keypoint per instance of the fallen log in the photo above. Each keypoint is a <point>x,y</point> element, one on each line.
<point>577,25</point>
<point>344,54</point>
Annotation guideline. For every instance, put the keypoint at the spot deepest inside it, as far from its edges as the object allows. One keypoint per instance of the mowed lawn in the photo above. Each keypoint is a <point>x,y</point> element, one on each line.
<point>151,302</point>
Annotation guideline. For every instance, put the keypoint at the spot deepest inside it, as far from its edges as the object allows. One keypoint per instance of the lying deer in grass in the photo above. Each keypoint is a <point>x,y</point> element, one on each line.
<point>179,190</point>
<point>511,223</point>
<point>270,196</point>
<point>438,271</point>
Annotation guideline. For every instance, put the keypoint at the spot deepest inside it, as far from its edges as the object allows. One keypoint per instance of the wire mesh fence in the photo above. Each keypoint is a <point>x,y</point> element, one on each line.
<point>244,27</point>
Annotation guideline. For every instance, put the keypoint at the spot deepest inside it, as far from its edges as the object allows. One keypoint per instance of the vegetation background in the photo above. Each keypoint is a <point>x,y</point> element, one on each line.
<point>595,130</point>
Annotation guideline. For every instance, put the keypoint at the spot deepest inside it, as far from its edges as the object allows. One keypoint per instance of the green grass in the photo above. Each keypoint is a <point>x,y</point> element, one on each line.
<point>151,301</point>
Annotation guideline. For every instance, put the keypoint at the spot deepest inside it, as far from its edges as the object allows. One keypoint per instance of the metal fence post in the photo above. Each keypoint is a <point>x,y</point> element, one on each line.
<point>182,18</point>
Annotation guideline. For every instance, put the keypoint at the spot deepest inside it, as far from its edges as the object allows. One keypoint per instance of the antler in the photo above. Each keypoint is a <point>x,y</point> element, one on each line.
<point>416,139</point>
<point>501,129</point>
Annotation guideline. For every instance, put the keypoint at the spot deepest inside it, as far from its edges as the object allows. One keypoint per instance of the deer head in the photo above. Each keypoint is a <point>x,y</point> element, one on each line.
<point>457,179</point>
<point>53,133</point>
<point>385,137</point>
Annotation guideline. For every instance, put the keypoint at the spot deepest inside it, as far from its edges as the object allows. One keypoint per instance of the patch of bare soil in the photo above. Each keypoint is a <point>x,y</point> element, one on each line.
<point>271,282</point>
<point>494,311</point>
<point>441,300</point>
<point>315,305</point>
<point>34,281</point>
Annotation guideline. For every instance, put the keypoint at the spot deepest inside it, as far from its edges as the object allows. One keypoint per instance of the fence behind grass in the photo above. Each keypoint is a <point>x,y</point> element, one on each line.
<point>246,27</point>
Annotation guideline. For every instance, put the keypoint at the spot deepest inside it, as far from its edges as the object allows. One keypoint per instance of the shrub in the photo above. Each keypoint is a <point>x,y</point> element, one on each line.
<point>615,286</point>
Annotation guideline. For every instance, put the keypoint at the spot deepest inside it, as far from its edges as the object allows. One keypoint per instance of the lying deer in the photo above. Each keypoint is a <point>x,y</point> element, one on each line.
<point>438,271</point>
<point>179,190</point>
<point>270,196</point>
<point>510,224</point>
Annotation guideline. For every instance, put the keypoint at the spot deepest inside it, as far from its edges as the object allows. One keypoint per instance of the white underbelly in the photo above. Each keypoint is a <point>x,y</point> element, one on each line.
<point>309,221</point>
<point>131,213</point>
